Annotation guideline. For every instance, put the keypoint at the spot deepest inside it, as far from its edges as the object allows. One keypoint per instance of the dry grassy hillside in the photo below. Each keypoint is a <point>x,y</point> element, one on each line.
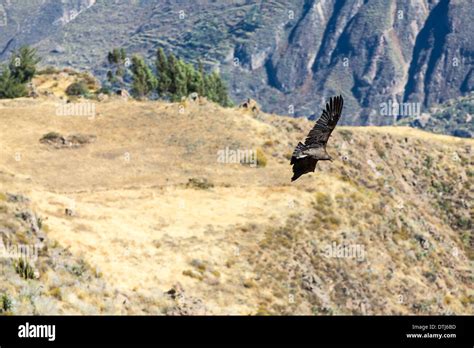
<point>137,198</point>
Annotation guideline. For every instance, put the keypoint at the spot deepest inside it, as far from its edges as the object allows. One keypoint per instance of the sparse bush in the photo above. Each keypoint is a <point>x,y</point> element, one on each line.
<point>463,223</point>
<point>346,134</point>
<point>6,304</point>
<point>40,222</point>
<point>202,184</point>
<point>261,158</point>
<point>428,162</point>
<point>249,283</point>
<point>80,139</point>
<point>430,276</point>
<point>401,234</point>
<point>379,149</point>
<point>200,265</point>
<point>269,143</point>
<point>323,199</point>
<point>193,274</point>
<point>89,80</point>
<point>78,88</point>
<point>79,269</point>
<point>24,269</point>
<point>56,292</point>
<point>51,136</point>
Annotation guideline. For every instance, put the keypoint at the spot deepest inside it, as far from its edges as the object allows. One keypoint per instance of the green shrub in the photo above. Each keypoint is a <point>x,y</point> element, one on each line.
<point>20,70</point>
<point>10,87</point>
<point>51,136</point>
<point>79,269</point>
<point>6,304</point>
<point>78,89</point>
<point>144,82</point>
<point>89,80</point>
<point>24,269</point>
<point>428,161</point>
<point>23,64</point>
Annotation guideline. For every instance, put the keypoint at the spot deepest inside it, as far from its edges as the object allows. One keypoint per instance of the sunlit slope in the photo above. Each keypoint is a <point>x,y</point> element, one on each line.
<point>386,228</point>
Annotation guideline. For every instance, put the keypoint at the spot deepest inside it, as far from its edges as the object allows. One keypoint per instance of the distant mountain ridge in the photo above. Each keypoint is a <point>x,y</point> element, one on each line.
<point>289,55</point>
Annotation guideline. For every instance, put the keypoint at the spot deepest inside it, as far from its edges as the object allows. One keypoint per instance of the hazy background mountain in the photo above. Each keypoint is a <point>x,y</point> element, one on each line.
<point>288,55</point>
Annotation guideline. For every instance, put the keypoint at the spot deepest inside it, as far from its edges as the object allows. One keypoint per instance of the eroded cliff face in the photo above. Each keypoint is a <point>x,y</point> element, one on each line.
<point>289,55</point>
<point>443,54</point>
<point>372,52</point>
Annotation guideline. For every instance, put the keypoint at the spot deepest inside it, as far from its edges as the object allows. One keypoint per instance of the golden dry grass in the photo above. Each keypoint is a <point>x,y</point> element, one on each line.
<point>259,237</point>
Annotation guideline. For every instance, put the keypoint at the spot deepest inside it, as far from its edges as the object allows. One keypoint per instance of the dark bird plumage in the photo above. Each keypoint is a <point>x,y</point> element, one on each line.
<point>306,155</point>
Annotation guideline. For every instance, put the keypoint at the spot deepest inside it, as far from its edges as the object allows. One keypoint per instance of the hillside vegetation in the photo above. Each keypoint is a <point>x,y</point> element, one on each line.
<point>454,117</point>
<point>137,214</point>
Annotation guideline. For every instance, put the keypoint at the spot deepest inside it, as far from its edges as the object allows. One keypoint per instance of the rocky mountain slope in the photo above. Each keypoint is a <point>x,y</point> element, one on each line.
<point>454,117</point>
<point>289,55</point>
<point>159,215</point>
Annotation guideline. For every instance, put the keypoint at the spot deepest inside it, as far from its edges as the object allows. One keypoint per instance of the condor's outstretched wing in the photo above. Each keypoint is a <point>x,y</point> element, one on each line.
<point>319,135</point>
<point>302,166</point>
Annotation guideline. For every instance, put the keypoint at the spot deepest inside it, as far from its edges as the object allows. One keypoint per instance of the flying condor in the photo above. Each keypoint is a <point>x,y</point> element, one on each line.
<point>306,155</point>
